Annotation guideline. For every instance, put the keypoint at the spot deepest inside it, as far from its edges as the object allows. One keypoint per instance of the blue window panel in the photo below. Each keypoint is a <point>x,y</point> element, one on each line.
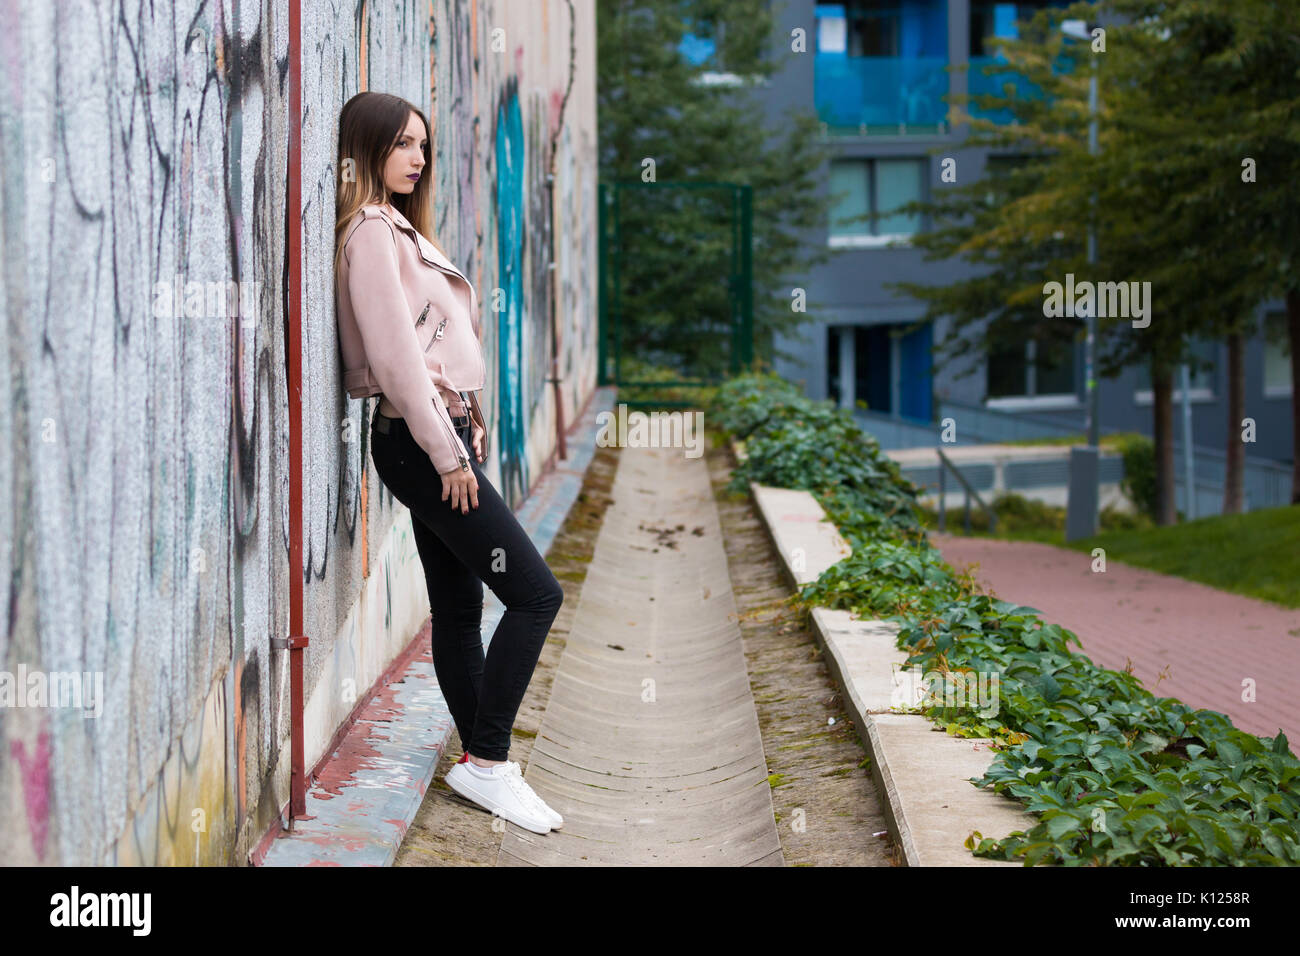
<point>916,385</point>
<point>1004,21</point>
<point>882,65</point>
<point>883,91</point>
<point>924,29</point>
<point>979,84</point>
<point>696,50</point>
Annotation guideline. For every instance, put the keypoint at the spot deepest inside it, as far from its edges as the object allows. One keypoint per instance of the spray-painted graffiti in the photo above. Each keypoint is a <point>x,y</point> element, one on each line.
<point>152,538</point>
<point>145,448</point>
<point>510,279</point>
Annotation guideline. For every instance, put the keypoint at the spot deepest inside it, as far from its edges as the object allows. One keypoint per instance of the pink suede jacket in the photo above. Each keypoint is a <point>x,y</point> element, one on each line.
<point>408,327</point>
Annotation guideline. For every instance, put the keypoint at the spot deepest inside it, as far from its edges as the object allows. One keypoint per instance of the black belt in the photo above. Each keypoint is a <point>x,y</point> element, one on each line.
<point>383,423</point>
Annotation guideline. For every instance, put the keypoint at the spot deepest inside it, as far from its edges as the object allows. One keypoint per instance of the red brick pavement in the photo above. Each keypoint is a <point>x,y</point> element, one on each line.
<point>1206,641</point>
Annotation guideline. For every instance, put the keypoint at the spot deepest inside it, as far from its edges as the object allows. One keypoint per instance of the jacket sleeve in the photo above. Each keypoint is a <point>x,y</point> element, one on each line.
<point>392,348</point>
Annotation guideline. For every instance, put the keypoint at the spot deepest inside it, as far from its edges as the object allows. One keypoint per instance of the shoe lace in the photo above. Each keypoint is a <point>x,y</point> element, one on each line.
<point>515,780</point>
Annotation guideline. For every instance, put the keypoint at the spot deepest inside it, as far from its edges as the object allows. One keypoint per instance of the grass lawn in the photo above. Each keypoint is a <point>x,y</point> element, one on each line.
<point>1110,442</point>
<point>1025,519</point>
<point>1256,554</point>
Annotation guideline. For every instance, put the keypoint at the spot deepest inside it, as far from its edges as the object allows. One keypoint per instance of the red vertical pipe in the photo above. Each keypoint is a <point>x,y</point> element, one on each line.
<point>297,640</point>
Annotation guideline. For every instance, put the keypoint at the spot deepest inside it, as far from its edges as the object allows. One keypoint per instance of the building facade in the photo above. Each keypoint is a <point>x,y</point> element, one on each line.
<point>876,72</point>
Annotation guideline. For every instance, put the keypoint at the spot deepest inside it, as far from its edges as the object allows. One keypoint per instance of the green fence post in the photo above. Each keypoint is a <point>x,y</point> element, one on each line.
<point>602,270</point>
<point>747,274</point>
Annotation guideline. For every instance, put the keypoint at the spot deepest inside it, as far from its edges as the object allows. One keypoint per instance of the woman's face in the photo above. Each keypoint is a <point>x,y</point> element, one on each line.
<point>406,162</point>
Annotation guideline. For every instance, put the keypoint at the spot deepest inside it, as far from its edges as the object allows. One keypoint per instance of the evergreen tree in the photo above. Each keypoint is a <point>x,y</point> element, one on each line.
<point>665,118</point>
<point>1217,81</point>
<point>1176,111</point>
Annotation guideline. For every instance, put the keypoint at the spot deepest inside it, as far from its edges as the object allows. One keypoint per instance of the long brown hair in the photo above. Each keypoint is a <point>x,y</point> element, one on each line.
<point>369,126</point>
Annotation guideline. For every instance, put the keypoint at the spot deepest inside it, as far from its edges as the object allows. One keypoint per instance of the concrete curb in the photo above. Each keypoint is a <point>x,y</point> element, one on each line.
<point>922,774</point>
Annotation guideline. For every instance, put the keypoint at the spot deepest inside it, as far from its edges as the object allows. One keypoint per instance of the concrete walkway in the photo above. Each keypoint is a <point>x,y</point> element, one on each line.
<point>1205,640</point>
<point>650,745</point>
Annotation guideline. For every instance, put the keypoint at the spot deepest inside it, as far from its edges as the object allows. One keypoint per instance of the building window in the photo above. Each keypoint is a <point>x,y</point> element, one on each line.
<point>1204,362</point>
<point>859,28</point>
<point>1277,357</point>
<point>1202,373</point>
<point>1007,372</point>
<point>867,194</point>
<point>873,27</point>
<point>1035,373</point>
<point>832,34</point>
<point>990,19</point>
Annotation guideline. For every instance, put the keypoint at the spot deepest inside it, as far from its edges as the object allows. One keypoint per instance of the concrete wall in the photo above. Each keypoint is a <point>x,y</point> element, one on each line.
<point>145,446</point>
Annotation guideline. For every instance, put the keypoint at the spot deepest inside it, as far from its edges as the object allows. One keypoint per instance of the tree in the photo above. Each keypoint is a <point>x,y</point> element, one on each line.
<point>1205,87</point>
<point>1027,228</point>
<point>655,104</point>
<point>1163,166</point>
<point>1161,196</point>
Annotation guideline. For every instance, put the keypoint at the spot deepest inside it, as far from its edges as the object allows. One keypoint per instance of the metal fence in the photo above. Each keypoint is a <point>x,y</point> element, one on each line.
<point>991,425</point>
<point>1266,483</point>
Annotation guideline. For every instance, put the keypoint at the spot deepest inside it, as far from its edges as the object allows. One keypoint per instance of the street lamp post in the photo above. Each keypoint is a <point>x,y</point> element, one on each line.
<point>1081,516</point>
<point>1079,30</point>
<point>1090,348</point>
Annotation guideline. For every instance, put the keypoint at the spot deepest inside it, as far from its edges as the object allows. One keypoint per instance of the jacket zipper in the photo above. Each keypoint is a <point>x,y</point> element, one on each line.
<point>420,321</point>
<point>472,297</point>
<point>436,335</point>
<point>455,439</point>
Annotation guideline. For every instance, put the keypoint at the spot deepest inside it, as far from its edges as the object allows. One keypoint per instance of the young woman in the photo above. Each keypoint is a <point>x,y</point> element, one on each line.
<point>408,331</point>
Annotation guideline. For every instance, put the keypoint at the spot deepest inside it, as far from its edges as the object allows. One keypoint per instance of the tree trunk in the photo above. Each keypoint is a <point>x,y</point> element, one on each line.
<point>1293,336</point>
<point>1163,427</point>
<point>1235,465</point>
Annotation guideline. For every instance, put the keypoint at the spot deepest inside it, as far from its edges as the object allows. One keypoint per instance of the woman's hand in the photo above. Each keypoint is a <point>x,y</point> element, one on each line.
<point>462,486</point>
<point>478,435</point>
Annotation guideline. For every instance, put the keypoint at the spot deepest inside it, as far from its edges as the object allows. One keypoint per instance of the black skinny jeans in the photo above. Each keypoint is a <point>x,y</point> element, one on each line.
<point>459,553</point>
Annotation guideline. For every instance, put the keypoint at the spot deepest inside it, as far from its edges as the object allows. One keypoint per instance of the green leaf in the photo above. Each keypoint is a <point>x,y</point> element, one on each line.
<point>1229,752</point>
<point>1060,825</point>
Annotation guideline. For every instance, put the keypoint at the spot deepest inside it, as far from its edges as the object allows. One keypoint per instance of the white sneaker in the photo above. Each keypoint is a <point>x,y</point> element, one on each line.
<point>503,793</point>
<point>555,819</point>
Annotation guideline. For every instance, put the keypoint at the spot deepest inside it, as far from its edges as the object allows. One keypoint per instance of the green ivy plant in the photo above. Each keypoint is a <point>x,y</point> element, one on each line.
<point>1116,775</point>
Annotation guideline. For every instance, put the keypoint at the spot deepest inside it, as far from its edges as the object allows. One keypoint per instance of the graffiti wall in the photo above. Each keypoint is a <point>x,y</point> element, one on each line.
<point>144,713</point>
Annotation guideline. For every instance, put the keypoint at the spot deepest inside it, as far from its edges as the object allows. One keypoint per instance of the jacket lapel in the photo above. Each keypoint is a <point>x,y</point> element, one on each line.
<point>430,253</point>
<point>427,249</point>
